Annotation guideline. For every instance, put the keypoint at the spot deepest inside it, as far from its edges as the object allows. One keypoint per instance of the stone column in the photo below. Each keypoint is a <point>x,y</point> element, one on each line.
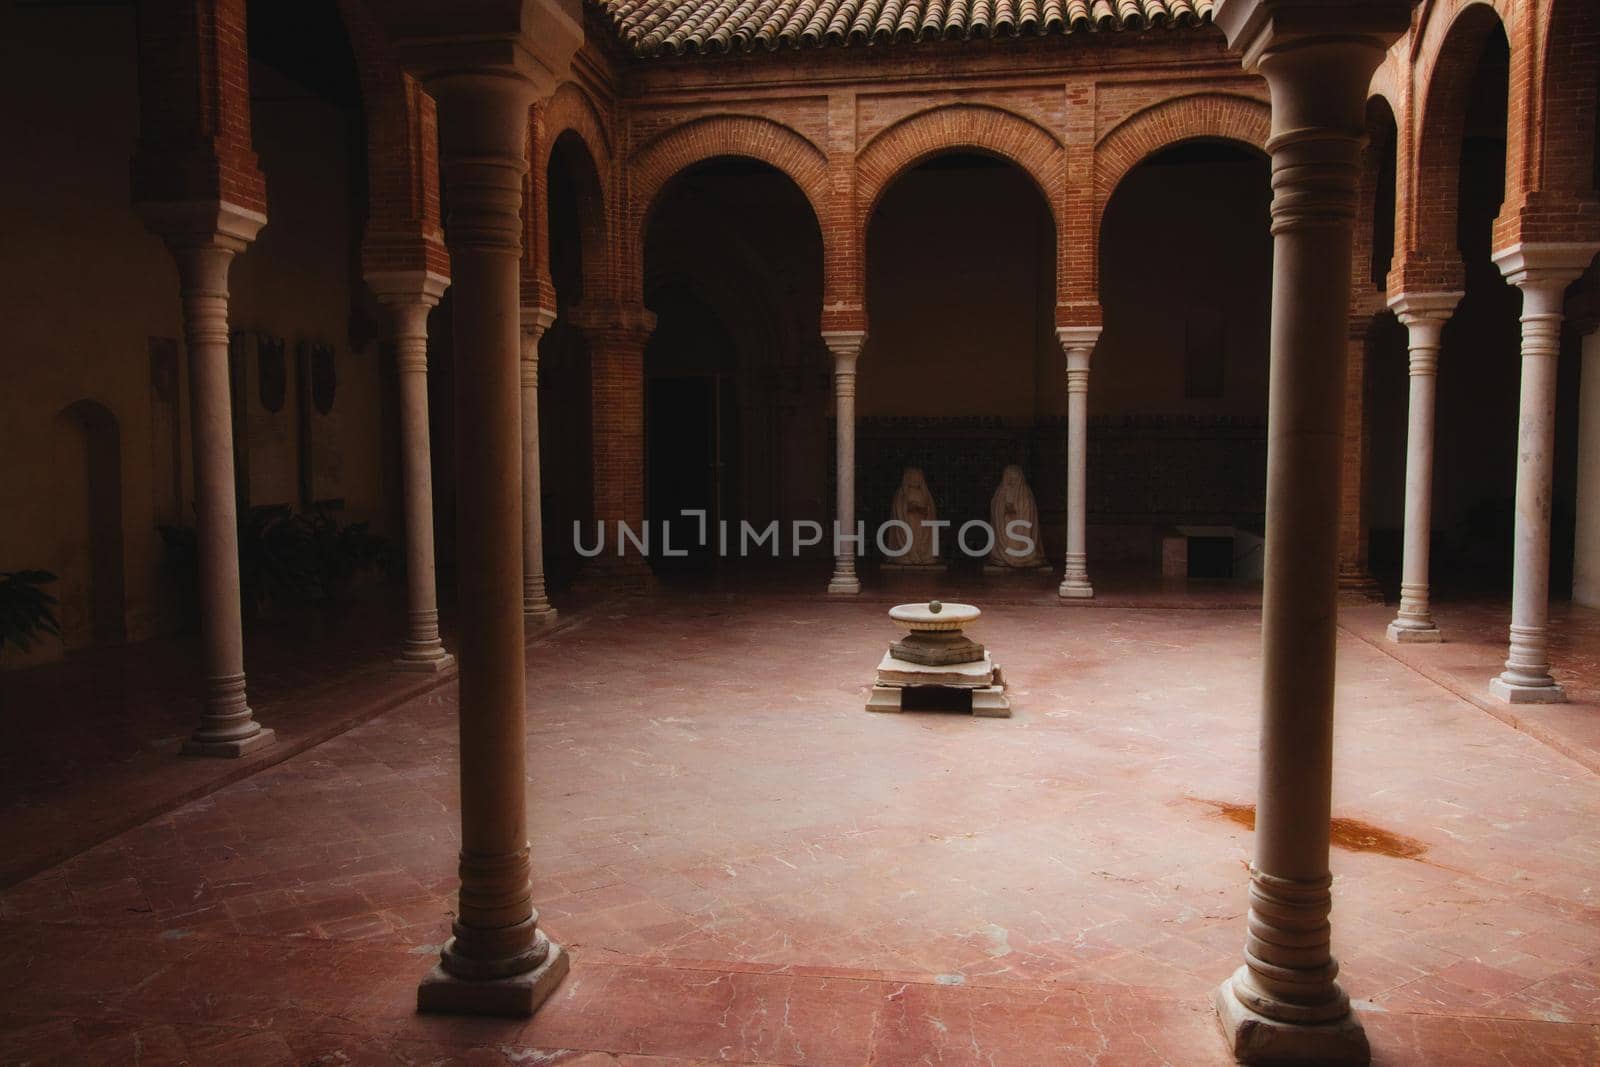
<point>1283,1005</point>
<point>409,296</point>
<point>846,348</point>
<point>617,335</point>
<point>1542,272</point>
<point>1424,316</point>
<point>536,609</point>
<point>1078,343</point>
<point>1586,554</point>
<point>498,961</point>
<point>203,238</point>
<point>1356,584</point>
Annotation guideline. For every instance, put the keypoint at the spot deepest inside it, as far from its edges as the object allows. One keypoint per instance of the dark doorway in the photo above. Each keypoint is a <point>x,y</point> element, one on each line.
<point>690,421</point>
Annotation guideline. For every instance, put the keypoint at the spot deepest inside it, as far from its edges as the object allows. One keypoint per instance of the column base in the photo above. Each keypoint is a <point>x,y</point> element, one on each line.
<point>229,749</point>
<point>515,997</point>
<point>1075,591</point>
<point>1359,589</point>
<point>1515,693</point>
<point>838,586</point>
<point>425,663</point>
<point>538,617</point>
<point>1414,635</point>
<point>629,574</point>
<point>1255,1039</point>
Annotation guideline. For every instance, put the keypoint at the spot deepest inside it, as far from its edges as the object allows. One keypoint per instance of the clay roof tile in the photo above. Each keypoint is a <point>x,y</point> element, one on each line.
<point>677,27</point>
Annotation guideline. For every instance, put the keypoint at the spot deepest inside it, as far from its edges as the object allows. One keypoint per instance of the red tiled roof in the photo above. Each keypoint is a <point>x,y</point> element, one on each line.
<point>676,27</point>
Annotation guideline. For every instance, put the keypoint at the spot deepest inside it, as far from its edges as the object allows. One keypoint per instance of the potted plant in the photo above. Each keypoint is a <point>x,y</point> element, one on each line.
<point>26,610</point>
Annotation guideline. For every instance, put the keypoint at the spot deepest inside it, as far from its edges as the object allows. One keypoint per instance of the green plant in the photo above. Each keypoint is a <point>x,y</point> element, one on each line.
<point>287,557</point>
<point>26,610</point>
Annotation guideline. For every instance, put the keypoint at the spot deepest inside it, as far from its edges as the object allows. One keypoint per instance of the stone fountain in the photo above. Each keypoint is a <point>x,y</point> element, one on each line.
<point>937,655</point>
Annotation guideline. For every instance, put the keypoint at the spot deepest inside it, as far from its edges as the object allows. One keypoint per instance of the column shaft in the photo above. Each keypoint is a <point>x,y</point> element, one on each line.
<point>498,961</point>
<point>203,239</point>
<point>1424,316</point>
<point>1284,1005</point>
<point>536,607</point>
<point>1078,343</point>
<point>846,348</point>
<point>1543,273</point>
<point>409,296</point>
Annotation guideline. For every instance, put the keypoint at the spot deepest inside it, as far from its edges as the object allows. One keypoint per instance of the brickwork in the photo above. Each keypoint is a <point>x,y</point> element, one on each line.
<point>843,124</point>
<point>571,112</point>
<point>403,232</point>
<point>961,127</point>
<point>194,106</point>
<point>1210,116</point>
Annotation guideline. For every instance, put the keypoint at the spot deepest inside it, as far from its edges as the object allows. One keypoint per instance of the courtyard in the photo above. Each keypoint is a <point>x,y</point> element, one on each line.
<point>747,867</point>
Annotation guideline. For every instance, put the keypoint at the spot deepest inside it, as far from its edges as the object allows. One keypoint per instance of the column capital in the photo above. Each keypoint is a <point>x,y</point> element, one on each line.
<point>1545,264</point>
<point>844,344</point>
<point>407,286</point>
<point>536,320</point>
<point>1424,307</point>
<point>1259,28</point>
<point>1078,339</point>
<point>202,223</point>
<point>526,40</point>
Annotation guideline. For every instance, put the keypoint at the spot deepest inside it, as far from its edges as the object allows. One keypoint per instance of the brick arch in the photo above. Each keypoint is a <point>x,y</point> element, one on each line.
<point>572,116</point>
<point>663,157</point>
<point>570,108</point>
<point>945,128</point>
<point>954,128</point>
<point>1430,259</point>
<point>1197,117</point>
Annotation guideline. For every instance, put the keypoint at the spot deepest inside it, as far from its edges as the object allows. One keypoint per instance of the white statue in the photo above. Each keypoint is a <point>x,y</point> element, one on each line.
<point>913,505</point>
<point>1014,514</point>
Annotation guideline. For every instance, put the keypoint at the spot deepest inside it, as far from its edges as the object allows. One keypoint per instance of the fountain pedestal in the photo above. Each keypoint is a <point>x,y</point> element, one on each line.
<point>937,655</point>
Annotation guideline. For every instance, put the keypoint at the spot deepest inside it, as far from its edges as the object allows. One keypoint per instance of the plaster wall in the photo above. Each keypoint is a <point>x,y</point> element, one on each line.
<point>93,294</point>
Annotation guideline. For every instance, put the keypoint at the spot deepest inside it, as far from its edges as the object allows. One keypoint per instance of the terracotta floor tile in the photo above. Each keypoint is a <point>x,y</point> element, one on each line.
<point>755,870</point>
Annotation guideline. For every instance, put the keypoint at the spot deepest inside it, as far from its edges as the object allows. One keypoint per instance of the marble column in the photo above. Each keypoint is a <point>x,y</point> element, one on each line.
<point>1543,272</point>
<point>536,609</point>
<point>1356,583</point>
<point>1424,316</point>
<point>846,348</point>
<point>498,961</point>
<point>1078,343</point>
<point>203,238</point>
<point>1284,1005</point>
<point>409,296</point>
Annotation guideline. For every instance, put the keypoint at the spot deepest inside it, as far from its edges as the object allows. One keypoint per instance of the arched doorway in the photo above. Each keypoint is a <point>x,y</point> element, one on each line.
<point>735,383</point>
<point>961,374</point>
<point>574,214</point>
<point>1178,398</point>
<point>93,588</point>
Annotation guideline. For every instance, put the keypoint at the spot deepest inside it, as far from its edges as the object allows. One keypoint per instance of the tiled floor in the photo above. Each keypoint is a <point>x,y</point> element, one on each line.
<point>747,867</point>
